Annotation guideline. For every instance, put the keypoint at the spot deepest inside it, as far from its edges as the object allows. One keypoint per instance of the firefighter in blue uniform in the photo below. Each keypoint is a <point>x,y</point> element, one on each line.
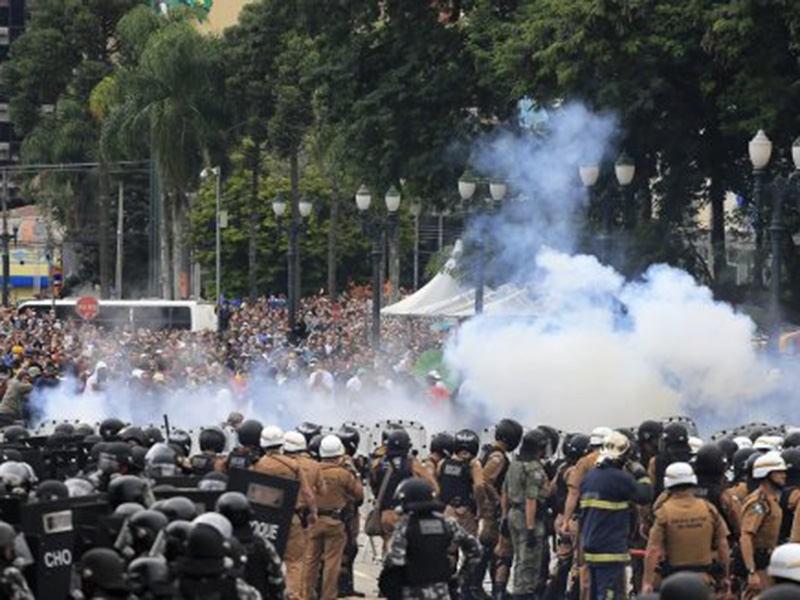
<point>606,496</point>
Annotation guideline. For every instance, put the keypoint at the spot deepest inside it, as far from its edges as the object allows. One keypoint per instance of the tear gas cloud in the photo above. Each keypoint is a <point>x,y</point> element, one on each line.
<point>600,350</point>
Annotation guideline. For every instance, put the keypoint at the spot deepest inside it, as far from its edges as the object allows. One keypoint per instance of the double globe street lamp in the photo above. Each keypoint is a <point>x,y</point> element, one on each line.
<point>375,228</point>
<point>279,208</point>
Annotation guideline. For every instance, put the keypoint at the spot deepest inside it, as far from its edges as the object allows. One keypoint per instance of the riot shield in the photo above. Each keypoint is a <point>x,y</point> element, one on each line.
<point>204,500</point>
<point>51,530</point>
<point>416,431</point>
<point>179,481</point>
<point>273,500</point>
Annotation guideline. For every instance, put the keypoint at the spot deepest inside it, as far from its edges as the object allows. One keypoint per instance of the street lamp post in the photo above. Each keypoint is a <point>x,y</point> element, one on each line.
<point>216,172</point>
<point>625,169</point>
<point>760,151</point>
<point>468,184</point>
<point>375,229</point>
<point>416,211</point>
<point>305,207</point>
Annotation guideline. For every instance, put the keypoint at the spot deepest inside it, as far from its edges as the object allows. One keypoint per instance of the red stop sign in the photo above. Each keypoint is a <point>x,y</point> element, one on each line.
<point>87,308</point>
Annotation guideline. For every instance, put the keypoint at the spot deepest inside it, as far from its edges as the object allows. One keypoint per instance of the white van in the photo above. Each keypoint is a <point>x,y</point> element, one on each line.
<point>144,314</point>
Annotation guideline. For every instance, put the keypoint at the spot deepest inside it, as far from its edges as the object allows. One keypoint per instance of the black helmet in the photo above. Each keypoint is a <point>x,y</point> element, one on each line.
<point>145,525</point>
<point>14,434</point>
<point>533,442</point>
<point>468,441</point>
<point>133,434</point>
<point>710,461</point>
<point>182,440</point>
<point>729,448</point>
<point>740,462</point>
<point>390,427</point>
<point>350,437</point>
<point>792,440</point>
<point>249,433</point>
<point>128,488</point>
<point>65,428</point>
<point>442,443</point>
<point>153,435</point>
<point>110,428</point>
<point>791,457</point>
<point>127,509</point>
<point>213,481</point>
<point>309,430</point>
<point>212,439</point>
<point>398,443</point>
<point>415,494</point>
<point>113,456</point>
<point>236,507</point>
<point>313,445</point>
<point>685,586</point>
<point>177,534</point>
<point>161,461</point>
<point>509,432</point>
<point>675,434</point>
<point>179,508</point>
<point>782,591</point>
<point>84,429</point>
<point>104,569</point>
<point>205,550</point>
<point>576,447</point>
<point>649,431</point>
<point>553,438</point>
<point>51,489</point>
<point>149,576</point>
<point>138,454</point>
<point>58,439</point>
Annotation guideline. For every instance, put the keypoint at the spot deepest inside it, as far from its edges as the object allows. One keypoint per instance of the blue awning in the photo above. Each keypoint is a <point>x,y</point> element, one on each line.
<point>27,281</point>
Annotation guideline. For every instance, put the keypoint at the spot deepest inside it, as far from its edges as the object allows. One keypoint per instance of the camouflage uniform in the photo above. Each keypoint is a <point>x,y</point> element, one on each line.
<point>13,585</point>
<point>526,480</point>
<point>396,557</point>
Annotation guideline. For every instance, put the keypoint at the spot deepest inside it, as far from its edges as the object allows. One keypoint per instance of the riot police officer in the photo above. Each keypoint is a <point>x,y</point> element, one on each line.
<point>102,574</point>
<point>351,440</point>
<point>676,449</point>
<point>460,479</point>
<point>416,565</point>
<point>790,497</point>
<point>761,521</point>
<point>248,452</point>
<point>710,468</point>
<point>739,486</point>
<point>688,532</point>
<point>440,448</point>
<point>649,438</point>
<point>212,442</point>
<point>12,582</point>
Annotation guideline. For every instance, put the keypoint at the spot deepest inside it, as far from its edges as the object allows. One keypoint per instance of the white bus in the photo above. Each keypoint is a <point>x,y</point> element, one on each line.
<point>138,314</point>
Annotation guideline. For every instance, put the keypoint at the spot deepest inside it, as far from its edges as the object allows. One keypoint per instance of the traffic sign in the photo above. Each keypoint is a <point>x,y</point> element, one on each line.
<point>87,308</point>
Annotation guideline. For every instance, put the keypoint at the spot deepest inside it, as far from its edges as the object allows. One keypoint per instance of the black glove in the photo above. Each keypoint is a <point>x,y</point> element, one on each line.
<point>531,538</point>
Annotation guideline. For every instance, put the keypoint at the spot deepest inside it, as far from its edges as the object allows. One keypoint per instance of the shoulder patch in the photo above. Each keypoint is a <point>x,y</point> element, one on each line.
<point>759,508</point>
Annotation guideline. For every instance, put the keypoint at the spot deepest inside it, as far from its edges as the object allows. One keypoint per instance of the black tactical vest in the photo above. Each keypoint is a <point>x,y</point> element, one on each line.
<point>562,489</point>
<point>202,463</point>
<point>427,560</point>
<point>486,455</point>
<point>786,524</point>
<point>241,458</point>
<point>664,460</point>
<point>401,470</point>
<point>455,483</point>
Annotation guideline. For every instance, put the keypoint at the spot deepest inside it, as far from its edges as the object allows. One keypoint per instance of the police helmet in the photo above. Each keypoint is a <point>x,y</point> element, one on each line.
<point>104,569</point>
<point>58,439</point>
<point>309,430</point>
<point>212,439</point>
<point>350,437</point>
<point>216,481</point>
<point>179,508</point>
<point>181,439</point>
<point>785,562</point>
<point>553,438</point>
<point>65,428</point>
<point>398,442</point>
<point>110,428</point>
<point>149,576</point>
<point>293,442</point>
<point>782,591</point>
<point>138,455</point>
<point>599,434</point>
<point>534,443</point>
<point>127,509</point>
<point>205,553</point>
<point>15,434</point>
<point>791,457</point>
<point>153,435</point>
<point>616,447</point>
<point>729,448</point>
<point>7,535</point>
<point>271,437</point>
<point>740,459</point>
<point>177,533</point>
<point>576,447</point>
<point>743,442</point>
<point>14,475</point>
<point>792,440</point>
<point>710,461</point>
<point>161,461</point>
<point>145,525</point>
<point>765,464</point>
<point>51,489</point>
<point>249,433</point>
<point>114,456</point>
<point>442,443</point>
<point>83,429</point>
<point>768,443</point>
<point>331,447</point>
<point>649,432</point>
<point>679,474</point>
<point>467,441</point>
<point>216,521</point>
<point>236,507</point>
<point>314,444</point>
<point>675,434</point>
<point>685,586</point>
<point>133,434</point>
<point>78,486</point>
<point>509,432</point>
<point>390,427</point>
<point>416,495</point>
<point>128,488</point>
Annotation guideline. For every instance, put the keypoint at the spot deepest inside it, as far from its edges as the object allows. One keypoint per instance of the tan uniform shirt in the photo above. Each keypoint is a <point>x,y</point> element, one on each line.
<point>313,473</point>
<point>686,530</point>
<point>761,517</point>
<point>280,465</point>
<point>342,487</point>
<point>582,467</point>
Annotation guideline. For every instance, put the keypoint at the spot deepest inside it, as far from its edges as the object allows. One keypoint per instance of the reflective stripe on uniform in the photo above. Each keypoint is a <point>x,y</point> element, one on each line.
<point>603,504</point>
<point>645,480</point>
<point>590,557</point>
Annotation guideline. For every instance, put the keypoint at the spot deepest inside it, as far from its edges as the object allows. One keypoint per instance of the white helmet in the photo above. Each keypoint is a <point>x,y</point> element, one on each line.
<point>768,443</point>
<point>785,562</point>
<point>695,443</point>
<point>768,463</point>
<point>331,447</point>
<point>679,473</point>
<point>217,521</point>
<point>294,441</point>
<point>599,434</point>
<point>743,442</point>
<point>271,437</point>
<point>615,445</point>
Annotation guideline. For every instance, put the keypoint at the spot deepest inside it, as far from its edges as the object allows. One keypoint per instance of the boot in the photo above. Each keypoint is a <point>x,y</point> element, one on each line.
<point>346,587</point>
<point>499,591</point>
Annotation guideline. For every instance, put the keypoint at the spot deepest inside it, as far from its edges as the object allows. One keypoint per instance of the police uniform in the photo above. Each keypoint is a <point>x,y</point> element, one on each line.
<point>418,547</point>
<point>740,491</point>
<point>526,480</point>
<point>761,520</point>
<point>327,539</point>
<point>207,461</point>
<point>565,548</point>
<point>431,464</point>
<point>242,457</point>
<point>574,481</point>
<point>13,585</point>
<point>460,483</point>
<point>726,502</point>
<point>287,467</point>
<point>686,532</point>
<point>498,545</point>
<point>790,527</point>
